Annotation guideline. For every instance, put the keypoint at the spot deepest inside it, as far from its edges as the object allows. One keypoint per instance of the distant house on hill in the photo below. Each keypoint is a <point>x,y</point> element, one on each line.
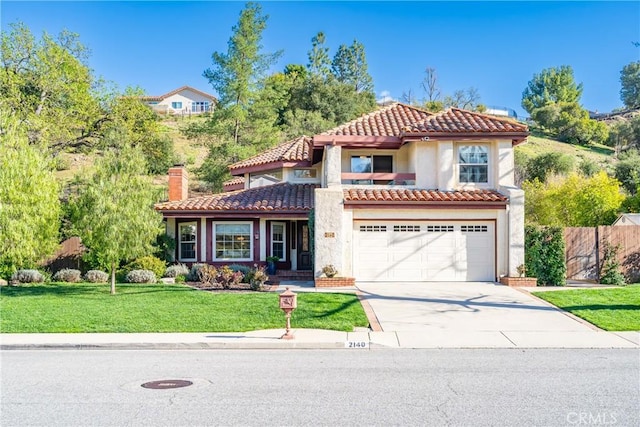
<point>184,100</point>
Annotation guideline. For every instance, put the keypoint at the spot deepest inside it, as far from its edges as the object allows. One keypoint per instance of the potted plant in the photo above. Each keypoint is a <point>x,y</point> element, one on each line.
<point>330,278</point>
<point>271,264</point>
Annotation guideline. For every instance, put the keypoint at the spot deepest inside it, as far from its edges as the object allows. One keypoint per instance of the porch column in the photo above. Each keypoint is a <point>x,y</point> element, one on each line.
<point>329,230</point>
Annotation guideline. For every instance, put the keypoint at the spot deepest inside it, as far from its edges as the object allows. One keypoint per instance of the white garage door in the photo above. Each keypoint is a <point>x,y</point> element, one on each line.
<point>424,251</point>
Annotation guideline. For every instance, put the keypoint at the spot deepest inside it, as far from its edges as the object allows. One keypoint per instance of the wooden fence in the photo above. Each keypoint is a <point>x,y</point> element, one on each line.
<point>585,248</point>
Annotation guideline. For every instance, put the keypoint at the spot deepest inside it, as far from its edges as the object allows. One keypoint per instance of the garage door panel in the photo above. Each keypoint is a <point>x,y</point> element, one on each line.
<point>425,251</point>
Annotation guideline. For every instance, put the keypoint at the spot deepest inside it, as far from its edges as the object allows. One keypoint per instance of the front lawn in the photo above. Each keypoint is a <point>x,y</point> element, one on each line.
<point>85,307</point>
<point>612,309</point>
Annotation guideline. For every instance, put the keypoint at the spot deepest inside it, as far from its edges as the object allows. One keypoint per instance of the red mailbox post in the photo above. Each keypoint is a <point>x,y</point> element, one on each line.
<point>288,303</point>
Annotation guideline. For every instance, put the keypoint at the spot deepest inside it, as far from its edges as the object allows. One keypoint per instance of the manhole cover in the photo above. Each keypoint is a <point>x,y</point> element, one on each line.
<point>164,384</point>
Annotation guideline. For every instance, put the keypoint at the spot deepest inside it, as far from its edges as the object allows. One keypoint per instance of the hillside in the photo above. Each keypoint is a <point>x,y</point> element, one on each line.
<point>538,144</point>
<point>192,153</point>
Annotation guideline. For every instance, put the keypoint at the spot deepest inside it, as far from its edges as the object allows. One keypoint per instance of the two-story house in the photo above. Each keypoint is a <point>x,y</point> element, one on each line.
<point>399,194</point>
<point>184,100</point>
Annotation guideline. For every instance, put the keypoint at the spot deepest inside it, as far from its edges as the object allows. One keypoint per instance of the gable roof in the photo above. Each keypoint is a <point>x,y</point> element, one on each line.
<point>277,199</point>
<point>386,121</point>
<point>456,120</point>
<point>297,151</point>
<point>385,128</point>
<point>180,89</point>
<point>628,219</point>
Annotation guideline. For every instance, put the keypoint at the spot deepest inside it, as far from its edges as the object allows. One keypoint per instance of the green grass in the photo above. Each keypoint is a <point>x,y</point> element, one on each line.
<point>61,307</point>
<point>539,144</point>
<point>612,309</point>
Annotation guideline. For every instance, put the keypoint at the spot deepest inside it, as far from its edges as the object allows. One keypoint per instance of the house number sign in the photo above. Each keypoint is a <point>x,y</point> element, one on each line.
<point>330,234</point>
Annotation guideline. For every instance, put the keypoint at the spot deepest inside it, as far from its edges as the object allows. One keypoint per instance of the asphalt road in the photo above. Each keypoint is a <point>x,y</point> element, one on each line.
<point>454,387</point>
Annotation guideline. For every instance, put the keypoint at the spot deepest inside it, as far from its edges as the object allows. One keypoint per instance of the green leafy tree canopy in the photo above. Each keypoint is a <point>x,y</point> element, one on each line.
<point>29,204</point>
<point>113,209</point>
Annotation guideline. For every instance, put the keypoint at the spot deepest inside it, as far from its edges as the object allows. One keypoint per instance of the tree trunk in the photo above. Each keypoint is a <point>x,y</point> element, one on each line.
<point>43,97</point>
<point>113,278</point>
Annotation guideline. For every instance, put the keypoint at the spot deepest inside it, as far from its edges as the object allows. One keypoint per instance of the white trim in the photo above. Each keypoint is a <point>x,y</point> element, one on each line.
<point>251,240</point>
<point>195,241</point>
<point>464,184</point>
<point>284,239</point>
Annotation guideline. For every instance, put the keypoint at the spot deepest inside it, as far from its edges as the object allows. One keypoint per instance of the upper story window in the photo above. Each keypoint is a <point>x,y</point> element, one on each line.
<point>265,178</point>
<point>473,163</point>
<point>371,164</point>
<point>187,241</point>
<point>199,106</point>
<point>176,105</point>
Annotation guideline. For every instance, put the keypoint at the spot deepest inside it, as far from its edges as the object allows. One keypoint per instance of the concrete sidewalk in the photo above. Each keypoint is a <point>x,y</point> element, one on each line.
<point>323,339</point>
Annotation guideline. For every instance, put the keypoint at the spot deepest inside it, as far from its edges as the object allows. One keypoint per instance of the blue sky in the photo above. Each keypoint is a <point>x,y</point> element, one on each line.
<point>493,46</point>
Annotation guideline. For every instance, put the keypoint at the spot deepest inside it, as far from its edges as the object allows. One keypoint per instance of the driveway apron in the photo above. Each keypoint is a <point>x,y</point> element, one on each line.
<point>476,314</point>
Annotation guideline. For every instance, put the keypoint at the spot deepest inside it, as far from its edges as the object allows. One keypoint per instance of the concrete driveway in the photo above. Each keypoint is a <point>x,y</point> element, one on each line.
<point>476,314</point>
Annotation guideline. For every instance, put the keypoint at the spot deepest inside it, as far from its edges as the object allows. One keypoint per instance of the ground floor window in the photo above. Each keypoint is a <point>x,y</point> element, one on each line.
<point>277,240</point>
<point>232,241</point>
<point>187,241</point>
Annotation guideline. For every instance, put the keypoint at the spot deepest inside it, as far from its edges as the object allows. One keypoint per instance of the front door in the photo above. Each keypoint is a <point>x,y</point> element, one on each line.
<point>304,246</point>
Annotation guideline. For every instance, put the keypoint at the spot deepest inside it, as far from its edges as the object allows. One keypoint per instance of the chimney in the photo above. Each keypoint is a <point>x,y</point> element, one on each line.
<point>178,183</point>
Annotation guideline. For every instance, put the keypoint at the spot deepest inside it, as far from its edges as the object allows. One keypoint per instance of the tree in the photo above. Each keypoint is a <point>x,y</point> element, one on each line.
<point>625,134</point>
<point>112,210</point>
<point>29,205</point>
<point>553,85</point>
<point>349,66</point>
<point>468,99</point>
<point>552,98</point>
<point>573,202</point>
<point>630,81</point>
<point>430,85</point>
<point>50,88</point>
<point>319,62</point>
<point>236,74</point>
<point>627,171</point>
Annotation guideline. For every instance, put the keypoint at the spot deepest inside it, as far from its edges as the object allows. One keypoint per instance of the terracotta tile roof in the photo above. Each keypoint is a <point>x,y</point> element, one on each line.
<point>273,198</point>
<point>416,195</point>
<point>386,121</point>
<point>455,120</point>
<point>298,150</point>
<point>236,183</point>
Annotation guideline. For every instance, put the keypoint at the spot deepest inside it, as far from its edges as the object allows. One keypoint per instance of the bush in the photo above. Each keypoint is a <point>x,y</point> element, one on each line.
<point>150,263</point>
<point>547,164</point>
<point>180,278</point>
<point>194,273</point>
<point>207,274</point>
<point>176,270</point>
<point>27,276</point>
<point>96,276</point>
<point>544,254</point>
<point>610,273</point>
<point>245,270</point>
<point>141,276</point>
<point>227,277</point>
<point>257,277</point>
<point>68,275</point>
